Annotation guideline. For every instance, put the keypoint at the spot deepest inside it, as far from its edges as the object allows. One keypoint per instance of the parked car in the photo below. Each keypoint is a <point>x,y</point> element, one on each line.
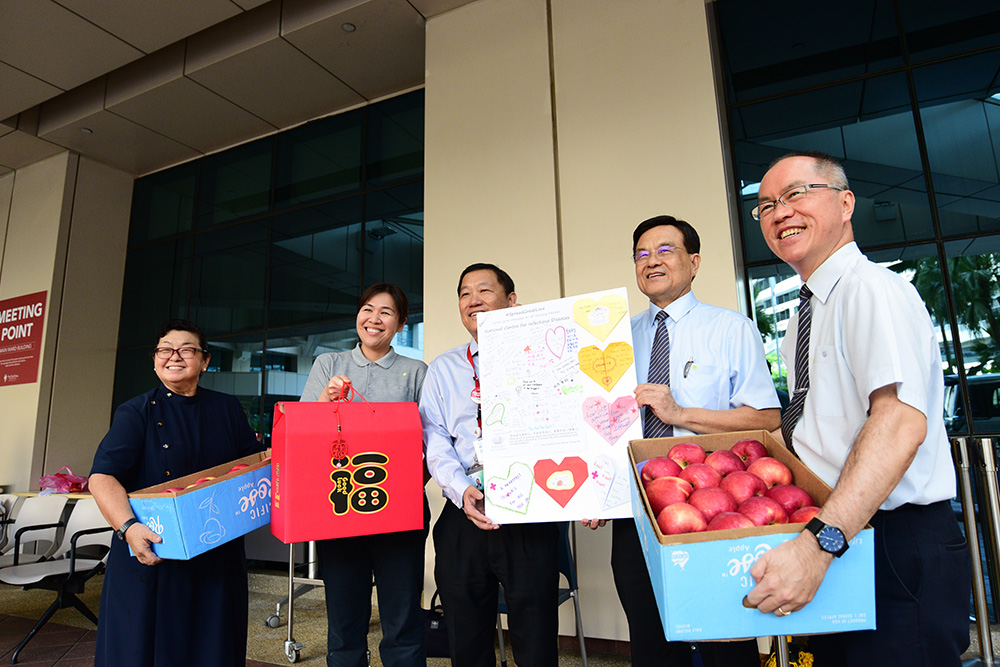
<point>984,400</point>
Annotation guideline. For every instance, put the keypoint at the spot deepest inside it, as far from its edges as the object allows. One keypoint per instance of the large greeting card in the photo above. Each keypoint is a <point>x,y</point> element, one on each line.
<point>558,409</point>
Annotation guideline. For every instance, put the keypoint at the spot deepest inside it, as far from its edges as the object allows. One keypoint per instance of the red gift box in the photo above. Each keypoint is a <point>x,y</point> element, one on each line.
<point>343,469</point>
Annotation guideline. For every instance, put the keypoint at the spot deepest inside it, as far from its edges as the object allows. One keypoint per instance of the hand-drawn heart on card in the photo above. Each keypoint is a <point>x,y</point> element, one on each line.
<point>512,492</point>
<point>611,421</point>
<point>602,316</point>
<point>561,480</point>
<point>496,415</point>
<point>606,366</point>
<point>555,340</point>
<point>610,482</point>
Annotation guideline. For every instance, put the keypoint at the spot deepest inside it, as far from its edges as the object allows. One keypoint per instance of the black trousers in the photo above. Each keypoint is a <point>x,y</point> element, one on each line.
<point>923,579</point>
<point>650,647</point>
<point>469,565</point>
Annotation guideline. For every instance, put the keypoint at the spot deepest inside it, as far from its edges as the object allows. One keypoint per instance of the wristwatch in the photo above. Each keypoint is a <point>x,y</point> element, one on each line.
<point>125,526</point>
<point>831,539</point>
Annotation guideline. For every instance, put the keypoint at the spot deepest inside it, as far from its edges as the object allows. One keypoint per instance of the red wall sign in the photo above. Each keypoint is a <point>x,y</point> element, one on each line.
<point>21,338</point>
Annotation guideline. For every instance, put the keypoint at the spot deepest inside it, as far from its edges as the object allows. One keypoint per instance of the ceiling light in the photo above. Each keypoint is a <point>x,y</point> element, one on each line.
<point>349,27</point>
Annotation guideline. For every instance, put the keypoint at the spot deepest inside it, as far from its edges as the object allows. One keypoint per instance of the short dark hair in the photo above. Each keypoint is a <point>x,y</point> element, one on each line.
<point>395,293</point>
<point>502,277</point>
<point>828,165</point>
<point>181,325</point>
<point>692,243</point>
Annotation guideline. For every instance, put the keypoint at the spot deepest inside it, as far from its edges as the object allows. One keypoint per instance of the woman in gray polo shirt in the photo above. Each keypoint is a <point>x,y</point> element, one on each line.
<point>396,560</point>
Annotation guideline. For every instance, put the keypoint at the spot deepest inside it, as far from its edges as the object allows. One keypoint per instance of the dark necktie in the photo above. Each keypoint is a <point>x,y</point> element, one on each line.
<point>659,373</point>
<point>794,411</point>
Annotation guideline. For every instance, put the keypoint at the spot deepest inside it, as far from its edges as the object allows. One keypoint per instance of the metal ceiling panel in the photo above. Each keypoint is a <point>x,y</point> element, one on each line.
<point>55,45</point>
<point>149,25</point>
<point>21,91</point>
<point>382,55</point>
<point>430,8</point>
<point>19,149</point>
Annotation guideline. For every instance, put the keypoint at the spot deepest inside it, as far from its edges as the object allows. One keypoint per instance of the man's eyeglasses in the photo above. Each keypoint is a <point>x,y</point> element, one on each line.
<point>662,253</point>
<point>766,208</point>
<point>184,352</point>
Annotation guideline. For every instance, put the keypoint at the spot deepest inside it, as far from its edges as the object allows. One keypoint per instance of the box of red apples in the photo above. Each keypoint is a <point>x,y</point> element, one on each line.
<point>700,543</point>
<point>202,510</point>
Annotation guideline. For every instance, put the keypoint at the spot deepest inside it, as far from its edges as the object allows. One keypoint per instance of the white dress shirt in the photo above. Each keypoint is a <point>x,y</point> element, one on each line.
<point>870,329</point>
<point>716,357</point>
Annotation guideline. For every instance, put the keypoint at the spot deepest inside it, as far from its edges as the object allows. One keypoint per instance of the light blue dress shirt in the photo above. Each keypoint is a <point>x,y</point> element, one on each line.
<point>449,414</point>
<point>716,357</point>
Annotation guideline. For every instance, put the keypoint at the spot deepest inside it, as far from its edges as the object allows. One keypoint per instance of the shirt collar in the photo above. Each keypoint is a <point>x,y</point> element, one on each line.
<point>474,347</point>
<point>828,274</point>
<point>675,310</point>
<point>358,357</point>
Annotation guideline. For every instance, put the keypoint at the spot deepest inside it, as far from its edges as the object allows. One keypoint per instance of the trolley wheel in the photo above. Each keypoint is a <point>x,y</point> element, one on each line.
<point>273,621</point>
<point>292,649</point>
<point>293,656</point>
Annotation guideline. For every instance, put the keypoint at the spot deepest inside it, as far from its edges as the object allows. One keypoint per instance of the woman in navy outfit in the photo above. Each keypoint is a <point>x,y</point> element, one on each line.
<point>170,612</point>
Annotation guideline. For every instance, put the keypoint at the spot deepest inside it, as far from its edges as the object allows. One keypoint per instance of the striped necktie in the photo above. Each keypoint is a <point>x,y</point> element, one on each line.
<point>795,407</point>
<point>659,373</point>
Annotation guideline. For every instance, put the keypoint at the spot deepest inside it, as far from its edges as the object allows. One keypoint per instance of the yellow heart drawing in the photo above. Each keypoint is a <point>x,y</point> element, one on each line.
<point>602,316</point>
<point>606,367</point>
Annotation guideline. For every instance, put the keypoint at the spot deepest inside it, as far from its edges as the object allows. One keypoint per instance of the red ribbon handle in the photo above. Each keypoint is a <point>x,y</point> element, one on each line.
<point>338,448</point>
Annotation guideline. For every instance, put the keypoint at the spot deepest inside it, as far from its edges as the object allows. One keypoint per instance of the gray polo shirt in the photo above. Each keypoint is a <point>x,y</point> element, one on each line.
<point>391,379</point>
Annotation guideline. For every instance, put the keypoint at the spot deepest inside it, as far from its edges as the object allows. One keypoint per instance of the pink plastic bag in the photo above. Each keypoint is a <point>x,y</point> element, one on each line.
<point>64,482</point>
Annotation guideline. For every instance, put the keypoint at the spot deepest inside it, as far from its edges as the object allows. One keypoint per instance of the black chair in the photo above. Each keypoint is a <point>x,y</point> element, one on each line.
<point>567,567</point>
<point>68,572</point>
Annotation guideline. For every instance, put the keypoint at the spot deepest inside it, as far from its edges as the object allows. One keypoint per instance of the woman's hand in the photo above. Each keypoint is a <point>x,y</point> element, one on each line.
<point>336,388</point>
<point>140,537</point>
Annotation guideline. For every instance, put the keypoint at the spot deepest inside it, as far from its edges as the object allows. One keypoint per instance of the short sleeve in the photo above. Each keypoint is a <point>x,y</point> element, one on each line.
<point>120,452</point>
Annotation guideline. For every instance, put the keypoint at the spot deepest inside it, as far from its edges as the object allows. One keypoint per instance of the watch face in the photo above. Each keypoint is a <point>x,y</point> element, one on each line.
<point>830,539</point>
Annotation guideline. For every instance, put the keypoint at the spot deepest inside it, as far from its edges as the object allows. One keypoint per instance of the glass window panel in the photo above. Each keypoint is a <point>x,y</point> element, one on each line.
<point>232,371</point>
<point>155,289</point>
<point>395,135</point>
<point>780,45</point>
<point>319,160</point>
<point>316,260</point>
<point>235,184</point>
<point>395,240</point>
<point>774,291</point>
<point>163,204</point>
<point>973,269</point>
<point>962,129</point>
<point>228,280</point>
<point>134,370</point>
<point>936,29</point>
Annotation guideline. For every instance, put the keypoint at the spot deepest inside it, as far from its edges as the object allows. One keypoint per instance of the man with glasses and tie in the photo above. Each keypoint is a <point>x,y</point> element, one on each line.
<point>867,417</point>
<point>472,554</point>
<point>701,369</point>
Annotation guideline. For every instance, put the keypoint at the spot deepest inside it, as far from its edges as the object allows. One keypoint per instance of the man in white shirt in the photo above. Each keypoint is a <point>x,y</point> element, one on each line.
<point>718,381</point>
<point>871,426</point>
<point>472,554</point>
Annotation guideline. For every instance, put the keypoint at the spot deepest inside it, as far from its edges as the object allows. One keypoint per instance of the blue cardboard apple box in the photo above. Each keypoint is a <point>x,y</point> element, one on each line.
<point>202,517</point>
<point>699,579</point>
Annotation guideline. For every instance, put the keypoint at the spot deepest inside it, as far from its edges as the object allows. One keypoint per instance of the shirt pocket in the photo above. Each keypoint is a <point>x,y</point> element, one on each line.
<point>825,386</point>
<point>702,387</point>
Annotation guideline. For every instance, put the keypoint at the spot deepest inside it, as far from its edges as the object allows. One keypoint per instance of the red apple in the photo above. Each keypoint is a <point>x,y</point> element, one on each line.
<point>173,489</point>
<point>712,501</point>
<point>742,485</point>
<point>803,514</point>
<point>239,466</point>
<point>729,521</point>
<point>680,518</point>
<point>204,479</point>
<point>771,470</point>
<point>749,450</point>
<point>664,491</point>
<point>659,466</point>
<point>725,462</point>
<point>790,497</point>
<point>701,475</point>
<point>763,511</point>
<point>686,453</point>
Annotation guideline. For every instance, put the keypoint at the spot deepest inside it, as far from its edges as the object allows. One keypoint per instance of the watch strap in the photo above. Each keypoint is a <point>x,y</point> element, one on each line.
<point>125,526</point>
<point>816,526</point>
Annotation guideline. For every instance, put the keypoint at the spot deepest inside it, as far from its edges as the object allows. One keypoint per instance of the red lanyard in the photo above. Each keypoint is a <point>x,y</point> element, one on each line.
<point>476,394</point>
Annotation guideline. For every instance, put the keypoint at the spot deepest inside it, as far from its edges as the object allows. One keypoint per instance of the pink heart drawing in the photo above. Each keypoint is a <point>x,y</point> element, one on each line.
<point>555,340</point>
<point>611,421</point>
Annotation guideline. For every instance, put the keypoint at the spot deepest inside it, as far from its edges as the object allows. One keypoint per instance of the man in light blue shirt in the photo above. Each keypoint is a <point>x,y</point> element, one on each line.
<point>474,555</point>
<point>719,381</point>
